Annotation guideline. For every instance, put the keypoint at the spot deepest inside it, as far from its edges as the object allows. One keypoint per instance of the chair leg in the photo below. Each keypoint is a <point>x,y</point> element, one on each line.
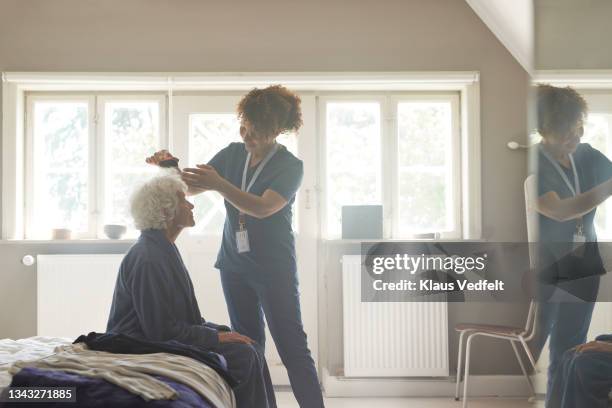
<point>520,361</point>
<point>466,375</point>
<point>459,360</point>
<point>528,352</point>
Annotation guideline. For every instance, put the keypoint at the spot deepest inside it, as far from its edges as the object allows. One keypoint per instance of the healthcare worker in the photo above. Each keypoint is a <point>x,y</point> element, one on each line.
<point>573,179</point>
<point>258,180</point>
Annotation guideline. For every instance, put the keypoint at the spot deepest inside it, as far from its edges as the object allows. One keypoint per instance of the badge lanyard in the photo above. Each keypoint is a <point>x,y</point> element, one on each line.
<point>242,237</point>
<point>579,237</point>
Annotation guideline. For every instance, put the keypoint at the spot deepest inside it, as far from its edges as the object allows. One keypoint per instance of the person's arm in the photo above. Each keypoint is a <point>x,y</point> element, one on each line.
<point>550,205</point>
<point>259,207</point>
<point>256,206</point>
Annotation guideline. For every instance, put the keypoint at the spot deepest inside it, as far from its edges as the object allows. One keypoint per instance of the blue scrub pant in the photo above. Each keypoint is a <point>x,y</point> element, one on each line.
<point>566,323</point>
<point>249,295</point>
<point>583,380</point>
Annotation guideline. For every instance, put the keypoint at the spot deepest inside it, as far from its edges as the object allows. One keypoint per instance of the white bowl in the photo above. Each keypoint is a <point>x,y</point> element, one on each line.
<point>114,231</point>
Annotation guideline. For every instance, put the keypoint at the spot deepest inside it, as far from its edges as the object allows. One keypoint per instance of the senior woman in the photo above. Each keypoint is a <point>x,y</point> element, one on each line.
<point>573,179</point>
<point>258,180</point>
<point>154,297</point>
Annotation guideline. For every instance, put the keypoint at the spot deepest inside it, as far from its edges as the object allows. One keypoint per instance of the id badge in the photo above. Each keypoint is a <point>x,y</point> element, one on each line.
<point>242,241</point>
<point>578,246</point>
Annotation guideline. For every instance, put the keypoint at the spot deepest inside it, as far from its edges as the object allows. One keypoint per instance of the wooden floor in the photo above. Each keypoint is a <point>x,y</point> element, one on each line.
<point>286,400</point>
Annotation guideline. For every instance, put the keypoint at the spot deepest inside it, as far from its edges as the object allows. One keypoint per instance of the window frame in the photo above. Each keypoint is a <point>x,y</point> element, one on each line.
<point>96,151</point>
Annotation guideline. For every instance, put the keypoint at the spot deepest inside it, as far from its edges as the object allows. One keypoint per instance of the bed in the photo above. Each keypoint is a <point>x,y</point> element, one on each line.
<point>98,392</point>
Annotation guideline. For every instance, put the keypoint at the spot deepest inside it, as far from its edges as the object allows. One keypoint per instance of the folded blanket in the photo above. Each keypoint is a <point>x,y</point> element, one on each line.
<point>94,392</point>
<point>134,372</point>
<point>124,344</point>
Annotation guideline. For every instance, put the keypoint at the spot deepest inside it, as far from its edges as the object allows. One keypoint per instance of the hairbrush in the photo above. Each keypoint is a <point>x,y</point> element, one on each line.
<point>169,163</point>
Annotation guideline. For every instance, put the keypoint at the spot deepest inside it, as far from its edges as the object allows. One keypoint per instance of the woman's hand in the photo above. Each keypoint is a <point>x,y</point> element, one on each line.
<point>234,337</point>
<point>160,156</point>
<point>600,346</point>
<point>204,177</point>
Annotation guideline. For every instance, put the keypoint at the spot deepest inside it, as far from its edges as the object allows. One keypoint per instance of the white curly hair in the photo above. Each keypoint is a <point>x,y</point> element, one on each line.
<point>155,203</point>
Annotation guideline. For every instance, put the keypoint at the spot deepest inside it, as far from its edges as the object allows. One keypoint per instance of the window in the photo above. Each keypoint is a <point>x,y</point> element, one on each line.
<point>398,151</point>
<point>353,134</point>
<point>428,158</point>
<point>60,190</point>
<point>85,154</point>
<point>392,139</point>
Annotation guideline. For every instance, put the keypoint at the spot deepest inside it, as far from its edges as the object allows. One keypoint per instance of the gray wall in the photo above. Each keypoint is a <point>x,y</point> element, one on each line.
<point>573,34</point>
<point>275,35</point>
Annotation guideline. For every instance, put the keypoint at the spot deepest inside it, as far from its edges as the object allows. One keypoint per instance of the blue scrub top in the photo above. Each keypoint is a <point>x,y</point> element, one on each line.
<point>556,238</point>
<point>272,244</point>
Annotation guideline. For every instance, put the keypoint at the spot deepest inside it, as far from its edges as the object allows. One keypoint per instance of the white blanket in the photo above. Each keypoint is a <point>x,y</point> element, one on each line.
<point>28,349</point>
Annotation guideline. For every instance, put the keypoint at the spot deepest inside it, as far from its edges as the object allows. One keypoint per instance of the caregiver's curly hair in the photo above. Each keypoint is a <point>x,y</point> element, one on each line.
<point>559,110</point>
<point>155,203</point>
<point>271,111</point>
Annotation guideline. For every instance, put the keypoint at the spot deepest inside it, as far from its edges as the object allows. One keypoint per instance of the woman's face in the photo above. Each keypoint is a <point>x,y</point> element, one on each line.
<point>184,216</point>
<point>253,140</point>
<point>566,144</point>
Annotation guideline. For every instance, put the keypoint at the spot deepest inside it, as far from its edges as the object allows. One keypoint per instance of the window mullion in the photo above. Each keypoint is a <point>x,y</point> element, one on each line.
<point>387,167</point>
<point>96,167</point>
<point>30,175</point>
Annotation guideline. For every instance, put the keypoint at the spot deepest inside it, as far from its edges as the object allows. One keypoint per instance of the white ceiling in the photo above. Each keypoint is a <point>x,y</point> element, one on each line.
<point>512,23</point>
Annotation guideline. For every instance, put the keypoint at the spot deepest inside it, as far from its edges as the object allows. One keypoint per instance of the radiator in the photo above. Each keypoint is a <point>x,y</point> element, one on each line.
<point>391,339</point>
<point>74,293</point>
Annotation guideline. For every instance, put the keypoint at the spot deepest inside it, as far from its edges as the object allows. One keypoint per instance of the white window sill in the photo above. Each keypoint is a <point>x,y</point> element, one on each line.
<point>67,241</point>
<point>358,241</point>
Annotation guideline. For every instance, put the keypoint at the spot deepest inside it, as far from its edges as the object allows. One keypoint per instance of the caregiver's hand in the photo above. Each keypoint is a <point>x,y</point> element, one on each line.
<point>203,177</point>
<point>234,337</point>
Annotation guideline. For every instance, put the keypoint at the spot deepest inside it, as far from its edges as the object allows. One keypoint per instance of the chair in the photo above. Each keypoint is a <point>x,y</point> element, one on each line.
<point>513,334</point>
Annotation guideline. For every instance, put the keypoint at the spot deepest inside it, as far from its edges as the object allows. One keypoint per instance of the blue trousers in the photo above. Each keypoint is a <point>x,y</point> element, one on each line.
<point>567,325</point>
<point>247,364</point>
<point>250,296</point>
<point>583,380</point>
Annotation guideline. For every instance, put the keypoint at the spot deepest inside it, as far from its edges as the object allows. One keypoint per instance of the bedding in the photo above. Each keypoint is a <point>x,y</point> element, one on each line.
<point>34,348</point>
<point>98,393</point>
<point>28,349</point>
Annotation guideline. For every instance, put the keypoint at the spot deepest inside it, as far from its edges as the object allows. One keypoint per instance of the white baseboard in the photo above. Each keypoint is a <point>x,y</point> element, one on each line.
<point>479,386</point>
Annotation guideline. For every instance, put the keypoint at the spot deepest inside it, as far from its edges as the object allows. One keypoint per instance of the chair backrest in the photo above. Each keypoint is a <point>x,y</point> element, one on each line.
<point>531,213</point>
